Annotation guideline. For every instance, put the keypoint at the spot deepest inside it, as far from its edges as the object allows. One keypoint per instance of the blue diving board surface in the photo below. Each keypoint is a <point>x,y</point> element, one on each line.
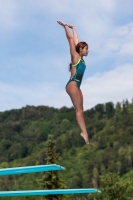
<point>47,192</point>
<point>30,169</point>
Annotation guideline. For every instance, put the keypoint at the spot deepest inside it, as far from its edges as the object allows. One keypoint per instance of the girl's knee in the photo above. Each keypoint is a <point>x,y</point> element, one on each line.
<point>79,110</point>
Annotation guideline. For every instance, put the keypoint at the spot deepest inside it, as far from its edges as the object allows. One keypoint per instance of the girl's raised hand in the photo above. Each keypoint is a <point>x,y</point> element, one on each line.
<point>61,23</point>
<point>70,26</point>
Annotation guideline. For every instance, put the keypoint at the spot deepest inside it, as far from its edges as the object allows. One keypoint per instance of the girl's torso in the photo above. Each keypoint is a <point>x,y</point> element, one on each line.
<point>77,72</point>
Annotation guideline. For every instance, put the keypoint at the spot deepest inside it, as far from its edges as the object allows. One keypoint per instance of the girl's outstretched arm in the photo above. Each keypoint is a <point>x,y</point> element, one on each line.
<point>70,40</point>
<point>75,35</point>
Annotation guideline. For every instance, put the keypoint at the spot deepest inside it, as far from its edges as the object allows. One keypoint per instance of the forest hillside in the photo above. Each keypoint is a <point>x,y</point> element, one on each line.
<point>24,132</point>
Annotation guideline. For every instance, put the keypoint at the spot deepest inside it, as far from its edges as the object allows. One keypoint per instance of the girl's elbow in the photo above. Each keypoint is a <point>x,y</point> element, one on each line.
<point>70,38</point>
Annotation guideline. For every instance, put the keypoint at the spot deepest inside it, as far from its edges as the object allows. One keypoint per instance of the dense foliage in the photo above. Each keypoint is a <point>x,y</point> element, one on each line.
<point>113,188</point>
<point>52,179</point>
<point>23,135</point>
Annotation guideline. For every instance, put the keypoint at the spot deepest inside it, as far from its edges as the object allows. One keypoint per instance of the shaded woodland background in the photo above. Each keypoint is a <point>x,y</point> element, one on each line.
<point>24,132</point>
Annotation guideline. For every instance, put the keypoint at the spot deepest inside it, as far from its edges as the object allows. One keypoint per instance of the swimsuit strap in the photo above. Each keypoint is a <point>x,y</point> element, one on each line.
<point>74,65</point>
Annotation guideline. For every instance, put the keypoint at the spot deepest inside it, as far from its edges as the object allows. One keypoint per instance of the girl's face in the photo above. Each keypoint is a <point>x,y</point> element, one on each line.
<point>85,51</point>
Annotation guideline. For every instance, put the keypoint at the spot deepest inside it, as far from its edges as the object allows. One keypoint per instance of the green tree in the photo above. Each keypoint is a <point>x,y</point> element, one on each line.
<point>113,188</point>
<point>53,179</point>
<point>109,107</point>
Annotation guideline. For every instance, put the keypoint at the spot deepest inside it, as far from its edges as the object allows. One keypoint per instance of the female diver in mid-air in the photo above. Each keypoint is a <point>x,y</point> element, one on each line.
<point>77,68</point>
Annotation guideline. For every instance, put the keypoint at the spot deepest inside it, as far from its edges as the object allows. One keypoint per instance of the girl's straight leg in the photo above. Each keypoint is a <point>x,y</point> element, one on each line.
<point>77,100</point>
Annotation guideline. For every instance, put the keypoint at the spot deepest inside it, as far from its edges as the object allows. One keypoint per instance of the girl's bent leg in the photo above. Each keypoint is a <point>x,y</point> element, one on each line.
<point>77,100</point>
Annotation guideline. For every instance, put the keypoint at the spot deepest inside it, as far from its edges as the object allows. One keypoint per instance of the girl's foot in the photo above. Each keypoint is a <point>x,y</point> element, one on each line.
<point>85,137</point>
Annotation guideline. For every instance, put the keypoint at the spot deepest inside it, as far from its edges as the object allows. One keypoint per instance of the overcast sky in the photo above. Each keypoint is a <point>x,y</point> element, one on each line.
<point>34,52</point>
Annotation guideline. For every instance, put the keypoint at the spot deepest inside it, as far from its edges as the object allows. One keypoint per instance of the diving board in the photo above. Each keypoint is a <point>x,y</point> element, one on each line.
<point>30,169</point>
<point>47,192</point>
